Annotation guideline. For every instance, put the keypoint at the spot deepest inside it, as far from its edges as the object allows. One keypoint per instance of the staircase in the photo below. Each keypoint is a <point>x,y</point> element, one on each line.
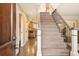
<point>52,42</point>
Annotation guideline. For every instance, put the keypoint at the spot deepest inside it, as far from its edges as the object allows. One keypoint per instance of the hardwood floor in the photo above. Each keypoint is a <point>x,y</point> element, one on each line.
<point>30,48</point>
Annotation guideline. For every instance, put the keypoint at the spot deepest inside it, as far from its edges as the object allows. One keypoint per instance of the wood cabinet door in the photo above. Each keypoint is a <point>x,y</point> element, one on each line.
<point>7,28</point>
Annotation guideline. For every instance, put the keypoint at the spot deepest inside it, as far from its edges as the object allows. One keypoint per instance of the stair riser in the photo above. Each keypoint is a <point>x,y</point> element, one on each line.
<point>47,35</point>
<point>49,28</point>
<point>46,18</point>
<point>50,40</point>
<point>50,31</point>
<point>53,46</point>
<point>54,43</point>
<point>50,37</point>
<point>51,34</point>
<point>46,23</point>
<point>44,30</point>
<point>55,54</point>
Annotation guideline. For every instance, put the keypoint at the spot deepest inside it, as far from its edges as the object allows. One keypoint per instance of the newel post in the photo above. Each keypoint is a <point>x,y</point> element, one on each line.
<point>74,42</point>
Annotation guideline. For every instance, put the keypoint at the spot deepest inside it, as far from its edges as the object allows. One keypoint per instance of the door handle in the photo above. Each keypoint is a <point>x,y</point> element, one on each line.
<point>14,38</point>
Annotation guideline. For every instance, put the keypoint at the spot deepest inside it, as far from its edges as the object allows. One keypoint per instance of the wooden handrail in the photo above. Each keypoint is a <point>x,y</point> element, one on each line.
<point>55,11</point>
<point>63,19</point>
<point>57,25</point>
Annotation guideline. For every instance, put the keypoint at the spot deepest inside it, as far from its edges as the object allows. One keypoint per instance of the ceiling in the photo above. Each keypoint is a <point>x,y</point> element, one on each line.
<point>65,9</point>
<point>29,8</point>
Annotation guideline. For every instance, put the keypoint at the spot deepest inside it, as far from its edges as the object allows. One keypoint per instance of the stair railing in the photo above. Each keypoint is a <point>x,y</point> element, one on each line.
<point>64,28</point>
<point>62,25</point>
<point>71,34</point>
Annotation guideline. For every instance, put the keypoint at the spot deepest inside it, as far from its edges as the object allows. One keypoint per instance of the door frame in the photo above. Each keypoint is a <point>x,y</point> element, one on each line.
<point>13,27</point>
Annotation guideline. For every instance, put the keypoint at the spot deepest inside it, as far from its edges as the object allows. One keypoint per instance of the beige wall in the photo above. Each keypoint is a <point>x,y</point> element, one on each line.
<point>31,9</point>
<point>24,32</point>
<point>70,13</point>
<point>69,10</point>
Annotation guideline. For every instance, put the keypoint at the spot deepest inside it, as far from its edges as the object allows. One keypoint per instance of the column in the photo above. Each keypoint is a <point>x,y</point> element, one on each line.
<point>74,41</point>
<point>39,53</point>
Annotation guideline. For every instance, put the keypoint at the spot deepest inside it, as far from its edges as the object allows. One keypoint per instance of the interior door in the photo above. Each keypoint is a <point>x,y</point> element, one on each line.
<point>7,29</point>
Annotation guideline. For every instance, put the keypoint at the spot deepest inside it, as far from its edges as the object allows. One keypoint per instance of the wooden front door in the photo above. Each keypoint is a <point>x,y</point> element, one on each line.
<point>7,29</point>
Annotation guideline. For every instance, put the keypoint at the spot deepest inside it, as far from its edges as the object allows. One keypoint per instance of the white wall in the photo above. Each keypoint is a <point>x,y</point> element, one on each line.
<point>42,7</point>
